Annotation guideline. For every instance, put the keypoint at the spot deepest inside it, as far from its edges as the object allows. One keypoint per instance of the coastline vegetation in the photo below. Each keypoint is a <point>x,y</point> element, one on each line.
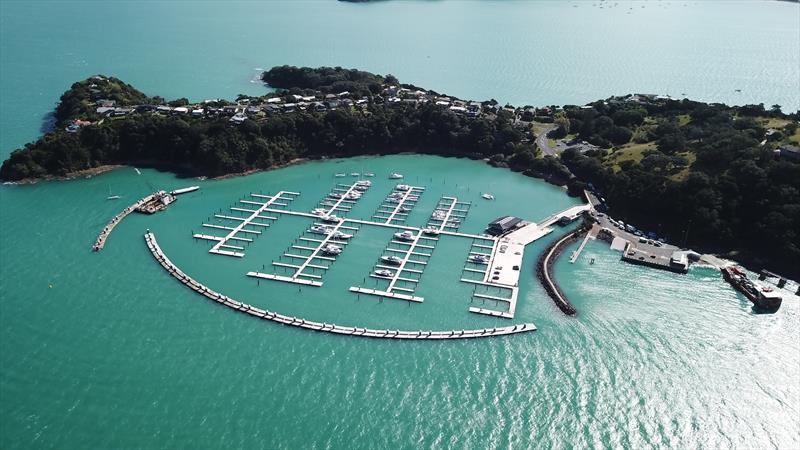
<point>703,175</point>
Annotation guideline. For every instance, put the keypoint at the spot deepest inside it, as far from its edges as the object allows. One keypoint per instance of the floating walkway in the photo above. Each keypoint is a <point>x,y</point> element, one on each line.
<point>398,204</point>
<point>311,254</point>
<point>150,239</point>
<point>448,214</point>
<point>100,242</point>
<point>342,198</point>
<point>244,229</point>
<point>401,279</point>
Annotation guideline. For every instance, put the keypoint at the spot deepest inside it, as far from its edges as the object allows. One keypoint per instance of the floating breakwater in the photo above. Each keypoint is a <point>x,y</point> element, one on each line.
<point>162,259</point>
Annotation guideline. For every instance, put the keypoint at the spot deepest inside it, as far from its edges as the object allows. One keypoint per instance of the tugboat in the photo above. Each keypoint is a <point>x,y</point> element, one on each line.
<point>764,298</point>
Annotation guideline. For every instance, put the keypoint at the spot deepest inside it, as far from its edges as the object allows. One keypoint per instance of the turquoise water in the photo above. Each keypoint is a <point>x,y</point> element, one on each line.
<point>118,354</point>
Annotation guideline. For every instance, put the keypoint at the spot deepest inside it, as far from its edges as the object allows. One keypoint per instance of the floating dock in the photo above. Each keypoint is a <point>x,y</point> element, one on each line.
<point>398,204</point>
<point>100,242</point>
<point>448,214</point>
<point>173,270</point>
<point>245,228</point>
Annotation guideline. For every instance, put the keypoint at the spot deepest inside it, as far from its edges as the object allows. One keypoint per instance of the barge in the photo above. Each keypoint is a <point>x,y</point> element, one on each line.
<point>762,297</point>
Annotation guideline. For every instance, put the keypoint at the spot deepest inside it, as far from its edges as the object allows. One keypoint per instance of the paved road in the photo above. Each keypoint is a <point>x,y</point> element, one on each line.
<point>541,141</point>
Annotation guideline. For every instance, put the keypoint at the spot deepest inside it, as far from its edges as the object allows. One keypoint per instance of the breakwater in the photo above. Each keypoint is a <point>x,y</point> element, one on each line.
<point>106,231</point>
<point>544,268</point>
<point>188,281</point>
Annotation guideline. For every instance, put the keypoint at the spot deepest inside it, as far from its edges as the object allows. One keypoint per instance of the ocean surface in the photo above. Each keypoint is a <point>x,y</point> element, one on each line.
<point>106,350</point>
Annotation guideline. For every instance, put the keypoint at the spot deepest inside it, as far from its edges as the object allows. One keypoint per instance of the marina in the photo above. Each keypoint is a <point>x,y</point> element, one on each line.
<point>398,204</point>
<point>354,331</point>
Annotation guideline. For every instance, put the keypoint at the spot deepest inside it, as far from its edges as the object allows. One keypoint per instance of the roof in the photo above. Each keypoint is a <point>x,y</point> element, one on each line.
<point>505,221</point>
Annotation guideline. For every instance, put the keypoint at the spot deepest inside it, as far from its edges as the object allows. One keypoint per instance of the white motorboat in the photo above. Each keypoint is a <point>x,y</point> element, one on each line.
<point>404,209</point>
<point>396,176</point>
<point>384,273</point>
<point>318,229</point>
<point>369,174</point>
<point>355,174</point>
<point>402,187</point>
<point>391,259</point>
<point>185,190</point>
<point>331,218</point>
<point>405,236</point>
<point>334,195</point>
<point>340,175</point>
<point>431,230</point>
<point>330,249</point>
<point>439,214</point>
<point>479,259</point>
<point>392,200</point>
<point>353,196</point>
<point>339,235</point>
<point>488,196</point>
<point>113,197</point>
<point>319,212</point>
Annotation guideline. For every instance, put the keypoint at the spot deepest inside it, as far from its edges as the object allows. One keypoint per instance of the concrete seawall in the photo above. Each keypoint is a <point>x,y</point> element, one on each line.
<point>152,245</point>
<point>544,269</point>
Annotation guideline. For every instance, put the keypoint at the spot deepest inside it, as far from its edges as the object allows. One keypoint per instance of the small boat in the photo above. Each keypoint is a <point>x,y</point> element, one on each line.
<point>339,235</point>
<point>353,196</point>
<point>396,176</point>
<point>488,196</point>
<point>384,273</point>
<point>334,195</point>
<point>431,230</point>
<point>319,212</point>
<point>355,174</point>
<point>402,187</point>
<point>392,200</point>
<point>439,214</point>
<point>479,259</point>
<point>404,209</point>
<point>331,219</point>
<point>391,259</point>
<point>330,249</point>
<point>113,197</point>
<point>405,236</point>
<point>340,175</point>
<point>137,171</point>
<point>317,229</point>
<point>185,190</point>
<point>369,174</point>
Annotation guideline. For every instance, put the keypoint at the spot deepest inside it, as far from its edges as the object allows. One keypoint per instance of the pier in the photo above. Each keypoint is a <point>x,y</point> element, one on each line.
<point>398,204</point>
<point>100,242</point>
<point>544,268</point>
<point>448,214</point>
<point>240,232</point>
<point>264,314</point>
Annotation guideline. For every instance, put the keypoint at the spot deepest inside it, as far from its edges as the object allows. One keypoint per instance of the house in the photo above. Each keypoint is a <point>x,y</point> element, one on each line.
<point>104,110</point>
<point>198,112</point>
<point>181,110</point>
<point>164,109</point>
<point>503,224</point>
<point>229,110</point>
<point>119,112</point>
<point>106,103</point>
<point>274,100</point>
<point>238,118</point>
<point>458,109</point>
<point>145,108</point>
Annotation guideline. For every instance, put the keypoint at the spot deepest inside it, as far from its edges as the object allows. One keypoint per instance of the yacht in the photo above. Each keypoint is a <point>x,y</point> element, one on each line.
<point>488,196</point>
<point>369,174</point>
<point>355,174</point>
<point>331,218</point>
<point>334,195</point>
<point>405,236</point>
<point>384,273</point>
<point>396,176</point>
<point>330,249</point>
<point>402,187</point>
<point>339,235</point>
<point>431,230</point>
<point>319,229</point>
<point>340,175</point>
<point>319,212</point>
<point>391,259</point>
<point>439,214</point>
<point>113,197</point>
<point>404,209</point>
<point>479,259</point>
<point>353,196</point>
<point>392,200</point>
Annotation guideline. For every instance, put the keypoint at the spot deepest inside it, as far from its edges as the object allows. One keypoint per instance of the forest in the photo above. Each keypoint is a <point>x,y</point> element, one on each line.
<point>705,176</point>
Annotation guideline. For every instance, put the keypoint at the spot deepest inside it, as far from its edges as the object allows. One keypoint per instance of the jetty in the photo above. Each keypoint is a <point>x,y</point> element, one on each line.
<point>100,242</point>
<point>544,269</point>
<point>355,331</point>
<point>398,204</point>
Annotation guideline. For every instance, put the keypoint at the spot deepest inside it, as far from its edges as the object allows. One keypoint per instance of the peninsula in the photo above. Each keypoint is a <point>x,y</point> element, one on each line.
<point>723,179</point>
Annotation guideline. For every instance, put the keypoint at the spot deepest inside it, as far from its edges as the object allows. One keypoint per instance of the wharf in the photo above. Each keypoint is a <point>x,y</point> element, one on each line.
<point>264,314</point>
